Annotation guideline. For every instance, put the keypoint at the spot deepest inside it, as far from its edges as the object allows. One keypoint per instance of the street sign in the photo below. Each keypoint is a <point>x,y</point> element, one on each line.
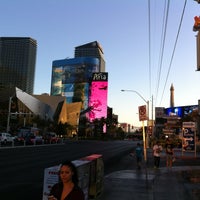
<point>189,133</point>
<point>189,124</point>
<point>143,113</point>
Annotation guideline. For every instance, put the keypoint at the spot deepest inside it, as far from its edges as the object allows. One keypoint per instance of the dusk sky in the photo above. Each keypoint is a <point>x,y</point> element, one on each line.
<point>122,28</point>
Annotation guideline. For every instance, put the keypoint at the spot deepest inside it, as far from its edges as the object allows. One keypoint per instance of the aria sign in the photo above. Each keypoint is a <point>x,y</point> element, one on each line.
<point>101,76</point>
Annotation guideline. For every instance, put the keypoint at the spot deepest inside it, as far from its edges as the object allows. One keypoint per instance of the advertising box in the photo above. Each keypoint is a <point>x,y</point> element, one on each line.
<point>96,174</point>
<point>51,177</point>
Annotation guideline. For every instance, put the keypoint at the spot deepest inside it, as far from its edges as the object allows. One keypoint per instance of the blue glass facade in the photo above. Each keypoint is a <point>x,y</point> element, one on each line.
<point>71,78</point>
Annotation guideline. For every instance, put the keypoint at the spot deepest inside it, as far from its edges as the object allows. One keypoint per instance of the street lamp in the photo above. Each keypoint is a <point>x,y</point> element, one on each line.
<point>9,110</point>
<point>147,102</point>
<point>144,137</point>
<point>137,94</point>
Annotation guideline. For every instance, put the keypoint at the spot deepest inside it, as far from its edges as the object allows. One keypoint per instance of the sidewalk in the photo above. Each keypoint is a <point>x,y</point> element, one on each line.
<point>178,183</point>
<point>153,184</point>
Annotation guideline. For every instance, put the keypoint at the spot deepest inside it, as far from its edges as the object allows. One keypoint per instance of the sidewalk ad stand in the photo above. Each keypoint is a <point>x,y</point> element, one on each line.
<point>83,169</point>
<point>96,175</point>
<point>51,177</point>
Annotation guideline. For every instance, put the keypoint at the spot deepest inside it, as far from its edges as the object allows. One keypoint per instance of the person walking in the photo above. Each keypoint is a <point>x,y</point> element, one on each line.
<point>67,188</point>
<point>157,149</point>
<point>139,155</point>
<point>169,153</point>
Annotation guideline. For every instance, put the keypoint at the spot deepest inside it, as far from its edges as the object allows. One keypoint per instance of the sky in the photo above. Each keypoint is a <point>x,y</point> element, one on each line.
<point>142,53</point>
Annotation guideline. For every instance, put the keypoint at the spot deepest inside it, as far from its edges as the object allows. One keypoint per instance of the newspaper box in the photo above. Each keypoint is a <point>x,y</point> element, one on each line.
<point>96,174</point>
<point>51,177</point>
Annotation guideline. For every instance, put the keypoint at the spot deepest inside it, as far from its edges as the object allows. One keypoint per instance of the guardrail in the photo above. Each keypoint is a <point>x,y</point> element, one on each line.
<point>24,143</point>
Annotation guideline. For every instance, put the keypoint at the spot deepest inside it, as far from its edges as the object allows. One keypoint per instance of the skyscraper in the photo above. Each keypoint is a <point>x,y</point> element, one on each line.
<point>72,77</point>
<point>83,79</point>
<point>92,49</point>
<point>17,63</point>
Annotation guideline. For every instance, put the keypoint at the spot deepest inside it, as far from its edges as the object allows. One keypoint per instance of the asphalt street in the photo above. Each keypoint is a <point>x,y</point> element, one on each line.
<point>22,168</point>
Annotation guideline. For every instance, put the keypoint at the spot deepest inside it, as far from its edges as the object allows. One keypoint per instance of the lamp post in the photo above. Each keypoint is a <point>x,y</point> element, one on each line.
<point>144,137</point>
<point>8,119</point>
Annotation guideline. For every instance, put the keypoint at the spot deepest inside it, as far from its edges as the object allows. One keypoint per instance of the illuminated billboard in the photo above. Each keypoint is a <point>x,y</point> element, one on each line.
<point>180,111</point>
<point>98,96</point>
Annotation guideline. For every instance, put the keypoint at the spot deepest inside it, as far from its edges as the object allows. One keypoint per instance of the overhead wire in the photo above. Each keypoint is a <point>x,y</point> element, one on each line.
<point>164,30</point>
<point>174,49</point>
<point>149,22</point>
<point>161,47</point>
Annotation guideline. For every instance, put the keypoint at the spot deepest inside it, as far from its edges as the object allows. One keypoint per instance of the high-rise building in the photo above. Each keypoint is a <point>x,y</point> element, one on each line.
<point>92,49</point>
<point>83,79</point>
<point>71,78</point>
<point>17,63</point>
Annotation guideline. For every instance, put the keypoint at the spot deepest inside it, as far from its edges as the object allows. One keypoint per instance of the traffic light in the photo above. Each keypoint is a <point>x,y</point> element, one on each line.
<point>196,26</point>
<point>198,1</point>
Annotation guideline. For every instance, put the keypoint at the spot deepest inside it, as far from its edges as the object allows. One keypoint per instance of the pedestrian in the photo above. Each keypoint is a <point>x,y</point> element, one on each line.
<point>139,155</point>
<point>157,149</point>
<point>169,153</point>
<point>67,188</point>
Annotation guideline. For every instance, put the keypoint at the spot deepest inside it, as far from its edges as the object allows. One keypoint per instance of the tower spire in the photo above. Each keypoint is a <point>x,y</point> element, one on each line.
<point>172,95</point>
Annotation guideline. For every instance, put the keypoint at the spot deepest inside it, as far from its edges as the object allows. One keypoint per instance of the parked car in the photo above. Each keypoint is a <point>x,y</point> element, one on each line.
<point>32,139</point>
<point>50,138</point>
<point>15,138</point>
<point>37,140</point>
<point>6,138</point>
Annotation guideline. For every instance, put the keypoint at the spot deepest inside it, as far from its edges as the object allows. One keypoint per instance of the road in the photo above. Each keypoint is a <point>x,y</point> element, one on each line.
<point>22,168</point>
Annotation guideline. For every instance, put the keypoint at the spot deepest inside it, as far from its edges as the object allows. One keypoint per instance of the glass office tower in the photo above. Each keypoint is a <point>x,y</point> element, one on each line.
<point>71,78</point>
<point>17,63</point>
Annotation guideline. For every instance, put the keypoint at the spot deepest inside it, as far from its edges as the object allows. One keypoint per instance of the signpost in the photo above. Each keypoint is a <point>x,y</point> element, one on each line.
<point>143,115</point>
<point>189,137</point>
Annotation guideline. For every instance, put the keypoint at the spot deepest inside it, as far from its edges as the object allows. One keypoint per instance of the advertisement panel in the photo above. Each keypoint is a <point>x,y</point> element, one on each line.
<point>180,111</point>
<point>51,177</point>
<point>98,96</point>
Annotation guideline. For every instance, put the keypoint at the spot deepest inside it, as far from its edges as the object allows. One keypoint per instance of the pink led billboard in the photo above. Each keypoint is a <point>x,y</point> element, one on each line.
<point>98,96</point>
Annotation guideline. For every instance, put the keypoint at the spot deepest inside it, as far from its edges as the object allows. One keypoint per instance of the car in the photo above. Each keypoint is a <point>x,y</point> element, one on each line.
<point>32,139</point>
<point>51,138</point>
<point>38,140</point>
<point>6,138</point>
<point>15,138</point>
